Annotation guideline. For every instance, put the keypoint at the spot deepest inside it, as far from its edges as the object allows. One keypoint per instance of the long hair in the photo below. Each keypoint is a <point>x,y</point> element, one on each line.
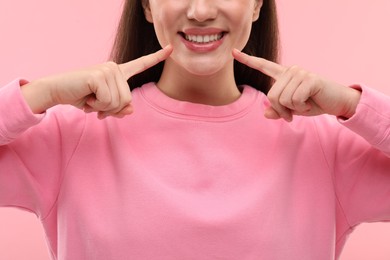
<point>136,37</point>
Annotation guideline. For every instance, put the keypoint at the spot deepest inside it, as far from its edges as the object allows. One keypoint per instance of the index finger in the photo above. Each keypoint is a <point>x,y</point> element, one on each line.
<point>143,63</point>
<point>269,68</point>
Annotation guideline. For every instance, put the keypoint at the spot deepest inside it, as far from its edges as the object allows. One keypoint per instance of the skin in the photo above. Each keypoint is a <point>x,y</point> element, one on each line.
<point>299,92</point>
<point>188,75</point>
<point>102,88</point>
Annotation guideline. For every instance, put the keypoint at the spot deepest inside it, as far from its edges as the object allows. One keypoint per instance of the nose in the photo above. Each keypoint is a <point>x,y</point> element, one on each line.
<point>202,10</point>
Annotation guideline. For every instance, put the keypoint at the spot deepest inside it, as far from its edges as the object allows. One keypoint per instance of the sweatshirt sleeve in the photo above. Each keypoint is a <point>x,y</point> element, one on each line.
<point>34,150</point>
<point>359,158</point>
<point>15,115</point>
<point>372,119</point>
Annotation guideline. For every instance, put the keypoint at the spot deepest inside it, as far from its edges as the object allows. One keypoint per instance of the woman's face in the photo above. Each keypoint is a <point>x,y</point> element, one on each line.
<point>202,32</point>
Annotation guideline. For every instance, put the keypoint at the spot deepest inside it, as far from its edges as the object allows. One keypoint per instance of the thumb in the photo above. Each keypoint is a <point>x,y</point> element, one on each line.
<point>271,113</point>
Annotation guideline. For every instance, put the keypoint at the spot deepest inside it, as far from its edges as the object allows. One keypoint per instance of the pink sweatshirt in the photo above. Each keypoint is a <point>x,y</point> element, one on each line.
<point>178,180</point>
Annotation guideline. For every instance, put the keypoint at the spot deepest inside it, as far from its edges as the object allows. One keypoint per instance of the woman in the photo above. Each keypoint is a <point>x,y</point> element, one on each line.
<point>196,171</point>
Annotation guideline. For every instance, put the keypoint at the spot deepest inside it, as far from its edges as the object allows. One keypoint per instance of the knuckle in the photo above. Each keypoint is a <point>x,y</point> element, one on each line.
<point>104,103</point>
<point>114,104</point>
<point>296,71</point>
<point>293,69</point>
<point>98,75</point>
<point>297,101</point>
<point>126,100</point>
<point>312,79</point>
<point>302,74</point>
<point>273,99</point>
<point>284,101</point>
<point>106,70</point>
<point>111,64</point>
<point>114,67</point>
<point>93,82</point>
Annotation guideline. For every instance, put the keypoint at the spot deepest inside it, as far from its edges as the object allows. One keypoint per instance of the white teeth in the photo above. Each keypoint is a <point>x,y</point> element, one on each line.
<point>203,38</point>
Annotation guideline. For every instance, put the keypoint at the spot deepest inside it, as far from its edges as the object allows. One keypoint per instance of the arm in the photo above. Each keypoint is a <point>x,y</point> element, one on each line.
<point>299,92</point>
<point>36,143</point>
<point>102,88</point>
<point>357,154</point>
<point>372,119</point>
<point>358,158</point>
<point>34,150</point>
<point>16,116</point>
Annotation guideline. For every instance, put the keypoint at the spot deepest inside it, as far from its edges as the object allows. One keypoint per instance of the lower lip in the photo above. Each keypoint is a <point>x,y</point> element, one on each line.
<point>203,47</point>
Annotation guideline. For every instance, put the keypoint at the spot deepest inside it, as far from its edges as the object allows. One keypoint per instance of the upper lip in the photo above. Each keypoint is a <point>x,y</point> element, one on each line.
<point>202,31</point>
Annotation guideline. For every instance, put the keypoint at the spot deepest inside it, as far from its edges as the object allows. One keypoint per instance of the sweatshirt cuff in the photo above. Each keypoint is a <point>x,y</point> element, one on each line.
<point>372,118</point>
<point>16,115</point>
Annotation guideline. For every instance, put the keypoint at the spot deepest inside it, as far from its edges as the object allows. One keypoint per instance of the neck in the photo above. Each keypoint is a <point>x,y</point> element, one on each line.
<point>216,89</point>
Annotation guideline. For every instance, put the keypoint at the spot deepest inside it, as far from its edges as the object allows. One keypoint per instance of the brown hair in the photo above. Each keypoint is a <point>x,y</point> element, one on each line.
<point>136,37</point>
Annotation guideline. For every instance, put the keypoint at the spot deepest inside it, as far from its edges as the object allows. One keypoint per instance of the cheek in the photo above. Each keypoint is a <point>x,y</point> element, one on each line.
<point>243,30</point>
<point>165,21</point>
<point>242,16</point>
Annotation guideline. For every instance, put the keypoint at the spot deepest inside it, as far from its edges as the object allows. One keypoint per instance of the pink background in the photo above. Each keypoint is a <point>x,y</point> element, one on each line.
<point>345,40</point>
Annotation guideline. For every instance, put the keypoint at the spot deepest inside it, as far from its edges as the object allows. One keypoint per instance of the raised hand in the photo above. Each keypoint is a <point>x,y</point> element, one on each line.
<point>102,88</point>
<point>299,92</point>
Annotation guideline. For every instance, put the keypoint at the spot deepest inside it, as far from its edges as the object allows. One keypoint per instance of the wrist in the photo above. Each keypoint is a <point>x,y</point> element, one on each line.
<point>37,95</point>
<point>352,101</point>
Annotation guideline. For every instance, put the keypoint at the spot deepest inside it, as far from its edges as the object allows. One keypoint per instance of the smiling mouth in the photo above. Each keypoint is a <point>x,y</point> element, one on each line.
<point>202,39</point>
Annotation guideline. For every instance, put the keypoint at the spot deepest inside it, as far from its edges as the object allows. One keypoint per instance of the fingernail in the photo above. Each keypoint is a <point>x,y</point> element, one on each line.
<point>288,119</point>
<point>102,115</point>
<point>266,103</point>
<point>236,51</point>
<point>87,110</point>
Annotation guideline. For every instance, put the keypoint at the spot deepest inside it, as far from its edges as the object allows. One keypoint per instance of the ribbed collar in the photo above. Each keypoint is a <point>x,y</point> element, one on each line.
<point>183,109</point>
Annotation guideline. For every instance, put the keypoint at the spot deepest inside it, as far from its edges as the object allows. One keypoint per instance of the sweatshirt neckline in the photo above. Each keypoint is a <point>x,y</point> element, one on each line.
<point>188,110</point>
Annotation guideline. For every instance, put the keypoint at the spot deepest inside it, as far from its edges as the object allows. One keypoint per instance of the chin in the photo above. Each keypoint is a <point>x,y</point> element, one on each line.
<point>202,65</point>
<point>202,72</point>
<point>205,68</point>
